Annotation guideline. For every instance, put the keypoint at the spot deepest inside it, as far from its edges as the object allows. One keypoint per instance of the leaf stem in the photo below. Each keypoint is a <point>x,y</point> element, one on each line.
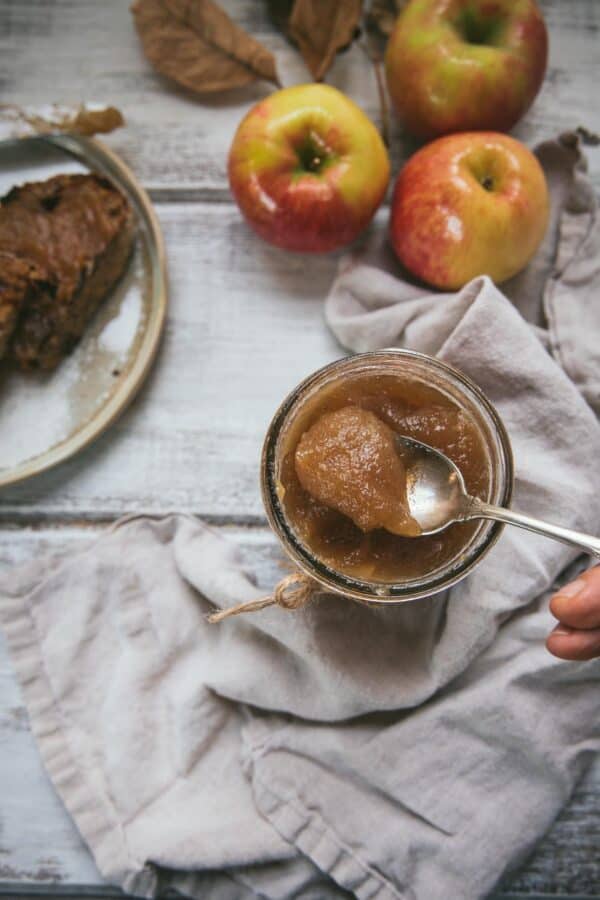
<point>384,110</point>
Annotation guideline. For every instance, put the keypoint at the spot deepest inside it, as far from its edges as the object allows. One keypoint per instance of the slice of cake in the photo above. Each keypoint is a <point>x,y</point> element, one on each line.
<point>64,243</point>
<point>20,281</point>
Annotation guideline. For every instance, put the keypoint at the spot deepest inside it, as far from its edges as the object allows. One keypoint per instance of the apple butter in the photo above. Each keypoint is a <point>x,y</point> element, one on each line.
<point>342,483</point>
<point>348,460</point>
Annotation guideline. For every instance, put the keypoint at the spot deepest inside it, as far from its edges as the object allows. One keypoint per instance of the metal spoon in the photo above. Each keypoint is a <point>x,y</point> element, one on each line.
<point>437,496</point>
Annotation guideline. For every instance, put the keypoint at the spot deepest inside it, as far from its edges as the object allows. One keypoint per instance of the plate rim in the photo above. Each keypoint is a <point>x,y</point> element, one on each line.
<point>96,155</point>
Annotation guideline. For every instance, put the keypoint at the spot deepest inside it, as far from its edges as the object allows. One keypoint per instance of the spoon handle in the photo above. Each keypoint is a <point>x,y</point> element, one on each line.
<point>480,510</point>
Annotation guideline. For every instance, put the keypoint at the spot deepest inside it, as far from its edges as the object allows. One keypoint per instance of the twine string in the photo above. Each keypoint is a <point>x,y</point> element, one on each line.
<point>292,592</point>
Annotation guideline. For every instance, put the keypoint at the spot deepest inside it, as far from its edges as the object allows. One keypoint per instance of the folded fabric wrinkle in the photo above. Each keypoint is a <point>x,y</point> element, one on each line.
<point>415,752</point>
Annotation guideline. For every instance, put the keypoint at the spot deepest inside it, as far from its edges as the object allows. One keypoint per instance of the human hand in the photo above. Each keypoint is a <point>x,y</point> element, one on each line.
<point>577,608</point>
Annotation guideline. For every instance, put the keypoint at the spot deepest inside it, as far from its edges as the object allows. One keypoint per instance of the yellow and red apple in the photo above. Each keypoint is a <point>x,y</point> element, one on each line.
<point>469,204</point>
<point>465,65</point>
<point>308,169</point>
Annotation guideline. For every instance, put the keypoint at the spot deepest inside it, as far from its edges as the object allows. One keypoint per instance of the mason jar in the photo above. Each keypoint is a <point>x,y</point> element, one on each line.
<point>415,369</point>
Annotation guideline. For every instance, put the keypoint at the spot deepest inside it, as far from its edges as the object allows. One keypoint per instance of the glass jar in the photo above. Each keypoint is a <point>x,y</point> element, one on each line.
<point>414,367</point>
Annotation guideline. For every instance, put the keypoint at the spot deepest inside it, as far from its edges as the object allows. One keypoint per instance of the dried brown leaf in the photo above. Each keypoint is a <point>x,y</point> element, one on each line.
<point>382,15</point>
<point>280,12</point>
<point>86,119</point>
<point>588,138</point>
<point>196,44</point>
<point>322,28</point>
<point>97,121</point>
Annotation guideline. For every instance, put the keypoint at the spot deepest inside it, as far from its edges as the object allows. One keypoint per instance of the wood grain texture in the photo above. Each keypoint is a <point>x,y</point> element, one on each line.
<point>39,844</point>
<point>192,439</point>
<point>245,325</point>
<point>85,892</point>
<point>66,50</point>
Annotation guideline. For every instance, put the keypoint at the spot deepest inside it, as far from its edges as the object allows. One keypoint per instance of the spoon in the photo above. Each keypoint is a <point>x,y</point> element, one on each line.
<point>437,497</point>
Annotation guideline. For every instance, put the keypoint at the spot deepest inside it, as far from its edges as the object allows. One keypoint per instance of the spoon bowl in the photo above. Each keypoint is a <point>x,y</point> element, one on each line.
<point>436,491</point>
<point>437,497</point>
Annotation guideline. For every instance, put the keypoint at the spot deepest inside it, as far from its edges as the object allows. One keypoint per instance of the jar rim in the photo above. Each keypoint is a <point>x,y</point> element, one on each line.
<point>333,580</point>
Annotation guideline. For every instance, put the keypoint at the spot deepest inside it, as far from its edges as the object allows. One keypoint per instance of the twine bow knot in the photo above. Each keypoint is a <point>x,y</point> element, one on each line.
<point>292,592</point>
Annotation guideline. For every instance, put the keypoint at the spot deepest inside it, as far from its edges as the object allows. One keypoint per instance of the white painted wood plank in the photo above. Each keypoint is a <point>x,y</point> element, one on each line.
<point>66,50</point>
<point>39,843</point>
<point>245,325</point>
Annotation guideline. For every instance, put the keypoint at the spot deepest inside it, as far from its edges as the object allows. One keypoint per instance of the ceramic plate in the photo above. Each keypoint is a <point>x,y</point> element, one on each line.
<point>46,418</point>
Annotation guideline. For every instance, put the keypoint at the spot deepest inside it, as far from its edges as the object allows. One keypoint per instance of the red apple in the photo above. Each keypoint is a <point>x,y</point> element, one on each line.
<point>466,205</point>
<point>465,65</point>
<point>308,169</point>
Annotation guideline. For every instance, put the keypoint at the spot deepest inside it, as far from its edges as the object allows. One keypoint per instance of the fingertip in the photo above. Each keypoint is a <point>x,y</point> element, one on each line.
<point>572,644</point>
<point>555,642</point>
<point>578,604</point>
<point>555,606</point>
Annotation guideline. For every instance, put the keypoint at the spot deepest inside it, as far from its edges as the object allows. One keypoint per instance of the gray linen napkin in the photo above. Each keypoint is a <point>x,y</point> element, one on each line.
<point>412,752</point>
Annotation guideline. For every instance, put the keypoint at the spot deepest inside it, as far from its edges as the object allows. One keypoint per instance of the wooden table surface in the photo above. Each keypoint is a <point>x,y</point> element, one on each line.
<point>245,325</point>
